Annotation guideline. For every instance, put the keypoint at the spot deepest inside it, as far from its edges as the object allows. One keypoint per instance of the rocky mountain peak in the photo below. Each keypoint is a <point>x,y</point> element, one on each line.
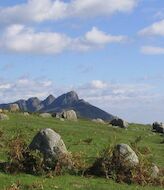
<point>49,100</point>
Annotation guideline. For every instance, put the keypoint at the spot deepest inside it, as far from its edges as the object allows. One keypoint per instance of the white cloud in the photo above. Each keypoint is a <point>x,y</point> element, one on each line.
<point>5,86</point>
<point>98,84</point>
<point>152,50</point>
<point>21,39</point>
<point>42,10</point>
<point>18,38</point>
<point>156,28</point>
<point>96,36</point>
<point>100,91</point>
<point>24,88</point>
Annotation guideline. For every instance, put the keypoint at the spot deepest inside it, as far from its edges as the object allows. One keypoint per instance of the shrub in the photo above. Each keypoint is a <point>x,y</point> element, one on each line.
<point>108,166</point>
<point>22,159</point>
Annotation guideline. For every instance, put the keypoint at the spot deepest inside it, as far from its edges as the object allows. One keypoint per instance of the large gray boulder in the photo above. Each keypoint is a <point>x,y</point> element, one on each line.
<point>51,145</point>
<point>3,117</point>
<point>125,155</point>
<point>45,115</point>
<point>14,107</point>
<point>158,127</point>
<point>119,122</point>
<point>69,115</point>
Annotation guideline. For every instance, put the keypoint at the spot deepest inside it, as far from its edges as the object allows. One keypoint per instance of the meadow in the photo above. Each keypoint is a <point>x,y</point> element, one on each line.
<point>83,137</point>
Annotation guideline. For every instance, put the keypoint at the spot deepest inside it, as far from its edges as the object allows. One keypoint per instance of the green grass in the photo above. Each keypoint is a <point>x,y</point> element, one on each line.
<point>74,134</point>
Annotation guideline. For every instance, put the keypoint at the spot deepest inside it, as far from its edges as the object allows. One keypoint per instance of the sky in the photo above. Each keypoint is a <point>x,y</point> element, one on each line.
<point>111,52</point>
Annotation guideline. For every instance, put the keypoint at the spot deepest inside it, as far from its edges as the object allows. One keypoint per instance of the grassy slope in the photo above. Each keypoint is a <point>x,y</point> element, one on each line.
<point>73,134</point>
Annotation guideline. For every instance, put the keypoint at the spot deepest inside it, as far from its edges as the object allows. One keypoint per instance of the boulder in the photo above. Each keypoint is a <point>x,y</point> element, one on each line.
<point>61,119</point>
<point>45,115</point>
<point>50,144</point>
<point>26,114</point>
<point>119,122</point>
<point>69,115</point>
<point>98,120</point>
<point>57,115</point>
<point>158,127</point>
<point>1,111</point>
<point>3,117</point>
<point>125,155</point>
<point>155,171</point>
<point>14,107</point>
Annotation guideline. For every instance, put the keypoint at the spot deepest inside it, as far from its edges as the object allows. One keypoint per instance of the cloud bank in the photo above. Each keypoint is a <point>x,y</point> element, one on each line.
<point>44,10</point>
<point>22,39</point>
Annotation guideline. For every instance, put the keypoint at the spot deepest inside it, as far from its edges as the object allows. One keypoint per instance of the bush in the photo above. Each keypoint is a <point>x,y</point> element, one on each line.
<point>22,159</point>
<point>108,166</point>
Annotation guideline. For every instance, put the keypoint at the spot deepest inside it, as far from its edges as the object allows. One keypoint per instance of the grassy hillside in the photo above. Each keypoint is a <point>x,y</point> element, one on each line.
<point>75,135</point>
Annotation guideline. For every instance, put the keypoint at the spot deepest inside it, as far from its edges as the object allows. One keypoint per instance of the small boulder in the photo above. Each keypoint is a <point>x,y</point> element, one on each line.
<point>98,120</point>
<point>45,115</point>
<point>14,107</point>
<point>124,154</point>
<point>1,111</point>
<point>3,117</point>
<point>61,119</point>
<point>57,115</point>
<point>26,114</point>
<point>119,122</point>
<point>158,127</point>
<point>69,115</point>
<point>155,171</point>
<point>51,145</point>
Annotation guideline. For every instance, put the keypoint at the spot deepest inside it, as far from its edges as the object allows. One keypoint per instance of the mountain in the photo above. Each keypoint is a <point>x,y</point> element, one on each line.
<point>66,101</point>
<point>48,101</point>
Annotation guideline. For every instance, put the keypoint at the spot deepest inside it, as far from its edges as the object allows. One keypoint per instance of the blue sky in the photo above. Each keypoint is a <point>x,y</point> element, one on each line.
<point>110,51</point>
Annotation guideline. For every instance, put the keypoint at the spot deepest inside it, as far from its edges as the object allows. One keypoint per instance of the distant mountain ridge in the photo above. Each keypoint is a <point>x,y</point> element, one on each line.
<point>66,101</point>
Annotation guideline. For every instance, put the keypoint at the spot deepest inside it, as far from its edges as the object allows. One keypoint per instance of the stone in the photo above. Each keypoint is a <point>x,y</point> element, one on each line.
<point>119,122</point>
<point>45,115</point>
<point>51,145</point>
<point>155,171</point>
<point>26,114</point>
<point>158,127</point>
<point>57,115</point>
<point>14,108</point>
<point>61,119</point>
<point>69,115</point>
<point>124,154</point>
<point>1,111</point>
<point>3,117</point>
<point>98,120</point>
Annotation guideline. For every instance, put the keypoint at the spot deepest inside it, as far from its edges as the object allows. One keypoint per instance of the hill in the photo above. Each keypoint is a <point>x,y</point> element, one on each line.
<point>66,101</point>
